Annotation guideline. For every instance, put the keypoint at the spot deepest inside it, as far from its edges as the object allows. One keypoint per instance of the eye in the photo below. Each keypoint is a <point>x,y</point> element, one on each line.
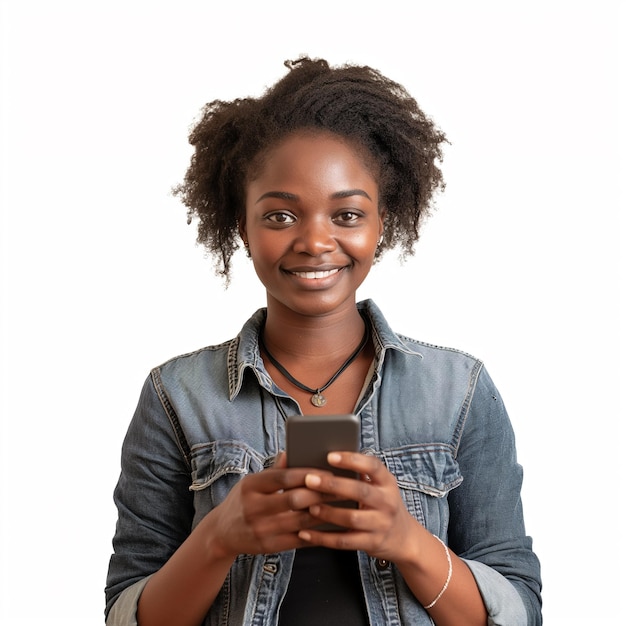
<point>280,218</point>
<point>347,217</point>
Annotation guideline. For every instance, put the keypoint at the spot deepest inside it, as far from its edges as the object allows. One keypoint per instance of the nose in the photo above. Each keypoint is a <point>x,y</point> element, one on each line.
<point>314,238</point>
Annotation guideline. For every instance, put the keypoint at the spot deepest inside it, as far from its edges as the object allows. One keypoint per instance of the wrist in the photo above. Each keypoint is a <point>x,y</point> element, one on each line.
<point>412,549</point>
<point>427,568</point>
<point>448,577</point>
<point>214,548</point>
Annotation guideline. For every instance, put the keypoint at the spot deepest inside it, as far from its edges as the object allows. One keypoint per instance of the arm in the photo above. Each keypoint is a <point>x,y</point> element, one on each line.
<point>261,514</point>
<point>186,569</point>
<point>495,569</point>
<point>384,529</point>
<point>486,517</point>
<point>155,506</point>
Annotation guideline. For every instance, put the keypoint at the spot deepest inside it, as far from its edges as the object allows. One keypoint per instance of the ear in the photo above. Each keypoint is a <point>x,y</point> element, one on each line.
<point>241,227</point>
<point>382,214</point>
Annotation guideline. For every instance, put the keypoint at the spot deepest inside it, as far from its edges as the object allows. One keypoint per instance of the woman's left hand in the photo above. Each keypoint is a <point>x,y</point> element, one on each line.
<point>380,526</point>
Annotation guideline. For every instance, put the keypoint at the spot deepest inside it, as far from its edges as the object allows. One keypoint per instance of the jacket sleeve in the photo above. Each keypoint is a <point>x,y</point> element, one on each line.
<point>486,518</point>
<point>155,506</point>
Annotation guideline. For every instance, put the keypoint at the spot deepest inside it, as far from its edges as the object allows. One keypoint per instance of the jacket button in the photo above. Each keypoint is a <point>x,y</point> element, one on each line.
<point>382,564</point>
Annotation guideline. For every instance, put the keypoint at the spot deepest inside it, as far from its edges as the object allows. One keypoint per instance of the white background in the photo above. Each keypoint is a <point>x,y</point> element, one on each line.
<point>101,279</point>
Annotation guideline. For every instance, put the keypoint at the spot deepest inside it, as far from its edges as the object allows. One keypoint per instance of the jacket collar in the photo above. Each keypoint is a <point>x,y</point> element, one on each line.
<point>244,352</point>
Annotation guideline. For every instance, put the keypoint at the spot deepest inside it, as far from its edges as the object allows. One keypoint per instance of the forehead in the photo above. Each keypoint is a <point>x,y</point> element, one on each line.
<point>308,150</point>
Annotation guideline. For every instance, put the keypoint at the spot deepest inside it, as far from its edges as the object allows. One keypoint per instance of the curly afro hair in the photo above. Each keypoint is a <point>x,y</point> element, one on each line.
<point>359,104</point>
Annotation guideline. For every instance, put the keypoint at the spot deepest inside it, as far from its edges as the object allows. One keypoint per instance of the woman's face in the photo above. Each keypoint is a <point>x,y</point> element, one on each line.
<point>312,223</point>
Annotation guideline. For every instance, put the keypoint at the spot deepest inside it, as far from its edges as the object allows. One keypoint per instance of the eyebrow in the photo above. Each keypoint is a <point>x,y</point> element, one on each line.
<point>283,195</point>
<point>351,192</point>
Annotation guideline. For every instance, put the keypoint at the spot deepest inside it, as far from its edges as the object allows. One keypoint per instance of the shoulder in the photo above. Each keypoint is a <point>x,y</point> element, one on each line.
<point>431,350</point>
<point>216,361</point>
<point>191,359</point>
<point>197,361</point>
<point>428,353</point>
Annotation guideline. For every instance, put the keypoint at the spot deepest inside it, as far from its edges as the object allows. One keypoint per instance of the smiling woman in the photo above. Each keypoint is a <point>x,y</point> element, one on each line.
<point>330,168</point>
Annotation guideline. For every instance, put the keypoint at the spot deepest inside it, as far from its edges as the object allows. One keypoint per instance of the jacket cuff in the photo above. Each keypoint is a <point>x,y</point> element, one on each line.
<point>505,606</point>
<point>124,610</point>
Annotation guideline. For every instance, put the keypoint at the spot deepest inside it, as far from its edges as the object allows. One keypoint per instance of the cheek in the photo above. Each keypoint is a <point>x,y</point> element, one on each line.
<point>267,253</point>
<point>363,245</point>
<point>266,247</point>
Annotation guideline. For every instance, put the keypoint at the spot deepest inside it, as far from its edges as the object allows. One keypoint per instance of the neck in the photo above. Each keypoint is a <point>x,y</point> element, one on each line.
<point>292,336</point>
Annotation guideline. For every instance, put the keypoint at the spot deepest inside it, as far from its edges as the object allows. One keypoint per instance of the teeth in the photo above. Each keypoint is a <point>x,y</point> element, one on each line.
<point>323,274</point>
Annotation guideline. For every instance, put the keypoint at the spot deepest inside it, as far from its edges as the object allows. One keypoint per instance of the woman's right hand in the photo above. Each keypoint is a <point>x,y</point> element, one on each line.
<point>263,513</point>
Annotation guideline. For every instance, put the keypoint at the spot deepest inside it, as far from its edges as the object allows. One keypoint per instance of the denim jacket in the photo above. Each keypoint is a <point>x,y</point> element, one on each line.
<point>431,415</point>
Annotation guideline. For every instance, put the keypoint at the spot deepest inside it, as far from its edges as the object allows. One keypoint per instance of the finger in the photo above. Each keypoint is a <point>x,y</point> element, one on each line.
<point>341,488</point>
<point>283,537</point>
<point>301,499</point>
<point>274,479</point>
<point>340,540</point>
<point>364,464</point>
<point>347,517</point>
<point>257,504</point>
<point>280,531</point>
<point>287,522</point>
<point>280,462</point>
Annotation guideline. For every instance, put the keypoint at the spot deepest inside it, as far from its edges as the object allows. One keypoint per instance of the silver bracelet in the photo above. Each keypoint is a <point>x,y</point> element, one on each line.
<point>445,586</point>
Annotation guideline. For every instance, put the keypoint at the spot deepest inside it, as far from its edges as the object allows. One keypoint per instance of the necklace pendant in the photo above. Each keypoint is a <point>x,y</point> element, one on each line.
<point>318,400</point>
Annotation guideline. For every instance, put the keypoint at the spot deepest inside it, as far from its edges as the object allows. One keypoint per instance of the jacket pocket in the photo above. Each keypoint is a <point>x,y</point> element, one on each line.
<point>425,473</point>
<point>216,468</point>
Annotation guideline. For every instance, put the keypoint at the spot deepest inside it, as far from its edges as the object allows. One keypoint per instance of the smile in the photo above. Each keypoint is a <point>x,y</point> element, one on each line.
<point>320,274</point>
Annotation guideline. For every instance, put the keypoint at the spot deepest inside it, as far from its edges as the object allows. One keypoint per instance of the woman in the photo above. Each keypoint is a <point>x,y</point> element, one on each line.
<point>319,176</point>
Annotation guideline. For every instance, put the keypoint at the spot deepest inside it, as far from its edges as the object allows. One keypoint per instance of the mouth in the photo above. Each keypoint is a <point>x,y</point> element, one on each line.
<point>315,274</point>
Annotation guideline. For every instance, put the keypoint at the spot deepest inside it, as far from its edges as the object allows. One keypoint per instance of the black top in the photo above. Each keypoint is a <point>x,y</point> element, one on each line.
<point>325,588</point>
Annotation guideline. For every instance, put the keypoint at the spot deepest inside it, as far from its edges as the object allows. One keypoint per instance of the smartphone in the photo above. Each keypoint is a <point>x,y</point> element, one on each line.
<point>311,437</point>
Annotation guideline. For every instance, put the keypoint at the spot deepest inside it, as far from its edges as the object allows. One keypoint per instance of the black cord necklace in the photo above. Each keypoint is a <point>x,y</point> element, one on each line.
<point>317,398</point>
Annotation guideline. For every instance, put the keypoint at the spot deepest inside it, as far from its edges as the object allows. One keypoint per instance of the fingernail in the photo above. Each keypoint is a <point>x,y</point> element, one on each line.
<point>304,535</point>
<point>334,457</point>
<point>312,480</point>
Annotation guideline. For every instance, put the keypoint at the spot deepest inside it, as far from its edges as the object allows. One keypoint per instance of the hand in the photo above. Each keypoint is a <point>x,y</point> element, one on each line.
<point>381,526</point>
<point>264,512</point>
